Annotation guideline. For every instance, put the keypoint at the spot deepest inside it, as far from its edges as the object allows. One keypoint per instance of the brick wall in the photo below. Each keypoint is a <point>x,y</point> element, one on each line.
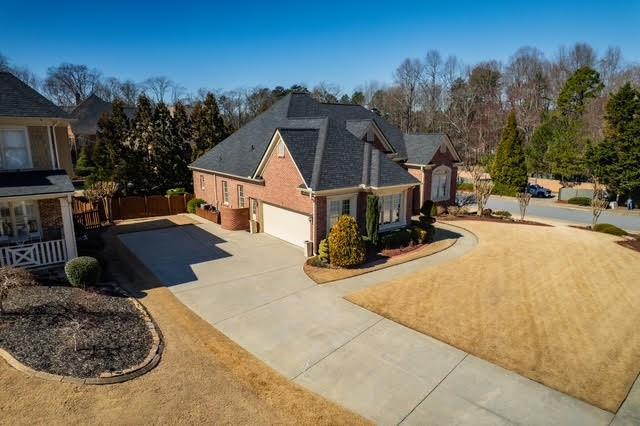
<point>439,159</point>
<point>50,219</point>
<point>234,219</point>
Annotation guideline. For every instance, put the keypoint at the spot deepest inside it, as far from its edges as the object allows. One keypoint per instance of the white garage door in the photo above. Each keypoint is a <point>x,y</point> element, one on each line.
<point>284,224</point>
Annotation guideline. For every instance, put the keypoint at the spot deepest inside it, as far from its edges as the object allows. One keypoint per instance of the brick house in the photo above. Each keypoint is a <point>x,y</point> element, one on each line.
<point>36,218</point>
<point>301,164</point>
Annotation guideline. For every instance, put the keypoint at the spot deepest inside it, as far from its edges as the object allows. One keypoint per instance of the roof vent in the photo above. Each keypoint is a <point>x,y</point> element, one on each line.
<point>252,147</point>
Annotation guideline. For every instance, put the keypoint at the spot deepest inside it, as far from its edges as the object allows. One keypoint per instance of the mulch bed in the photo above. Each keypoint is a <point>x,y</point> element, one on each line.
<point>490,219</point>
<point>73,332</point>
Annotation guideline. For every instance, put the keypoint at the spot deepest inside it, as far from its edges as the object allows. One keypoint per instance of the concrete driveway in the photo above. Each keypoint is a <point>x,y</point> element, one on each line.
<point>253,289</point>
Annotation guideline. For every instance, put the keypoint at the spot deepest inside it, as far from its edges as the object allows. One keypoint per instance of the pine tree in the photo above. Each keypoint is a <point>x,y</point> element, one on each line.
<point>182,131</point>
<point>161,156</point>
<point>581,87</point>
<point>117,151</point>
<point>208,126</point>
<point>103,166</point>
<point>509,164</point>
<point>139,145</point>
<point>616,160</point>
<point>84,166</point>
<point>536,151</point>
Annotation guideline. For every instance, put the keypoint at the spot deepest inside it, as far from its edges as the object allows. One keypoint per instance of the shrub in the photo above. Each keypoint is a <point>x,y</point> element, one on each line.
<point>502,213</point>
<point>465,186</point>
<point>13,278</point>
<point>580,201</point>
<point>193,204</point>
<point>373,218</point>
<point>427,213</point>
<point>505,190</point>
<point>397,239</point>
<point>440,210</point>
<point>83,271</point>
<point>487,212</point>
<point>345,243</point>
<point>608,228</point>
<point>454,210</point>
<point>323,251</point>
<point>176,191</point>
<point>419,235</point>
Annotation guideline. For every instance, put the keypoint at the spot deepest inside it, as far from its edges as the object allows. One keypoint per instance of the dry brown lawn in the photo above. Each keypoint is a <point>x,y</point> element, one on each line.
<point>558,305</point>
<point>325,275</point>
<point>203,377</point>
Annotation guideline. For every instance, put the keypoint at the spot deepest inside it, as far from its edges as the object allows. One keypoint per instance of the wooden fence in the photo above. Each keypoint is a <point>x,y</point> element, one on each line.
<point>92,215</point>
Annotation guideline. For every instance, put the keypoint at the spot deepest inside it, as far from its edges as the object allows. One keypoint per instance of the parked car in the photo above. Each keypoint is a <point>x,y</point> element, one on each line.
<point>538,191</point>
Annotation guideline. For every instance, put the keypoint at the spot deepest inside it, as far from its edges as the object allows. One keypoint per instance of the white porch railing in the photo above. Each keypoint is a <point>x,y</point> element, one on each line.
<point>34,254</point>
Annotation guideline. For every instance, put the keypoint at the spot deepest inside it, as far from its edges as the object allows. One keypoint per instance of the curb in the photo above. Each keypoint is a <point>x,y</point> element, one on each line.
<point>150,362</point>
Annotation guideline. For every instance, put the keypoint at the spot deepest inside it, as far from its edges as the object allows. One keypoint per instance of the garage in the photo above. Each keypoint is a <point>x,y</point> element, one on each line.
<point>289,226</point>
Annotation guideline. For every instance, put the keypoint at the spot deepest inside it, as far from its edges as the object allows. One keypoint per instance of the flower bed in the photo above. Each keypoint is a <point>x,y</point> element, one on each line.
<point>68,331</point>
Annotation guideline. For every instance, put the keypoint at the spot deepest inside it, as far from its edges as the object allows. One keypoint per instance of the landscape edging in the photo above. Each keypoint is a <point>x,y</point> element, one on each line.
<point>150,362</point>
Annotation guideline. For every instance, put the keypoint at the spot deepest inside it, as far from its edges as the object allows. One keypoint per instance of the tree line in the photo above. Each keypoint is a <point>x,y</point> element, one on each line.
<point>150,154</point>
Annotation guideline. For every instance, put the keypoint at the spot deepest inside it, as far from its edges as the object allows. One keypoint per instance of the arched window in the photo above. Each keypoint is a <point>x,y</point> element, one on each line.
<point>440,183</point>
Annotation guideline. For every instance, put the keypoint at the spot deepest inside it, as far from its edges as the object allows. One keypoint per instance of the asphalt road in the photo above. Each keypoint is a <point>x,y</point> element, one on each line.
<point>548,209</point>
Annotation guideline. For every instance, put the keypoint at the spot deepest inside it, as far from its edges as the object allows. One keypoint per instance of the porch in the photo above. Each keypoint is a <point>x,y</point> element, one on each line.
<point>36,232</point>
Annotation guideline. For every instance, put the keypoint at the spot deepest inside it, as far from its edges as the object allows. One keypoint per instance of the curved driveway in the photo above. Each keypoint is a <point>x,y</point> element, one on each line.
<point>253,289</point>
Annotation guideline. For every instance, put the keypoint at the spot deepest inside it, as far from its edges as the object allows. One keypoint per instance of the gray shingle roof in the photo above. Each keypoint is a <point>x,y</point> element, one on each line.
<point>327,153</point>
<point>19,100</point>
<point>422,147</point>
<point>89,112</point>
<point>35,182</point>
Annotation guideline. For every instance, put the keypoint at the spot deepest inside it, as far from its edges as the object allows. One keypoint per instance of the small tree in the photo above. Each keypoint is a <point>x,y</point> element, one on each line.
<point>523,202</point>
<point>345,243</point>
<point>599,203</point>
<point>84,167</point>
<point>373,218</point>
<point>13,278</point>
<point>483,191</point>
<point>102,191</point>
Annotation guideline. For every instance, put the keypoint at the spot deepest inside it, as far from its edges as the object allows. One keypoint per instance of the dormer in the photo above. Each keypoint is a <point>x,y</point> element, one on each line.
<point>369,132</point>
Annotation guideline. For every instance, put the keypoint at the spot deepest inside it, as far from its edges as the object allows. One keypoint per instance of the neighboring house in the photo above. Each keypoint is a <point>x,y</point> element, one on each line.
<point>36,218</point>
<point>301,164</point>
<point>86,115</point>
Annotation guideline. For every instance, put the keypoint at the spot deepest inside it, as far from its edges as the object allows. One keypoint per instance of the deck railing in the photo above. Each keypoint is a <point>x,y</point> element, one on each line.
<point>34,255</point>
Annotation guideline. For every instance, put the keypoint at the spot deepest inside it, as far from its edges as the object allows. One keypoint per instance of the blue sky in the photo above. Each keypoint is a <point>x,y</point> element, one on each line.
<point>228,44</point>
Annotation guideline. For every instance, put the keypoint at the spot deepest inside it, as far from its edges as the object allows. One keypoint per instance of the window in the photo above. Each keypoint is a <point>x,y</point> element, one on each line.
<point>240,196</point>
<point>440,182</point>
<point>14,149</point>
<point>339,207</point>
<point>281,149</point>
<point>225,193</point>
<point>391,209</point>
<point>19,221</point>
<point>202,182</point>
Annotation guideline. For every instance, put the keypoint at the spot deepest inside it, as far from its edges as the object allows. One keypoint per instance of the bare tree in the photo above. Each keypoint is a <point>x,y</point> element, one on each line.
<point>483,191</point>
<point>70,84</point>
<point>158,87</point>
<point>609,65</point>
<point>326,92</point>
<point>599,203</point>
<point>408,76</point>
<point>523,202</point>
<point>129,92</point>
<point>102,191</point>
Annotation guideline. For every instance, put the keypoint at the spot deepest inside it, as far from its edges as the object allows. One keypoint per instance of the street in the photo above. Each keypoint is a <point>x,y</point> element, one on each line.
<point>549,210</point>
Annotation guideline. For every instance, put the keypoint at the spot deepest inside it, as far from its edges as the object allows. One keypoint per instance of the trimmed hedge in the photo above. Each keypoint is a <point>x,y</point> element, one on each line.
<point>176,191</point>
<point>608,228</point>
<point>193,204</point>
<point>83,271</point>
<point>580,201</point>
<point>404,236</point>
<point>345,243</point>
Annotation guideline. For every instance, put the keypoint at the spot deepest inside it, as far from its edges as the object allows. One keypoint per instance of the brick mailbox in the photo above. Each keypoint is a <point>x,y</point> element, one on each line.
<point>234,219</point>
